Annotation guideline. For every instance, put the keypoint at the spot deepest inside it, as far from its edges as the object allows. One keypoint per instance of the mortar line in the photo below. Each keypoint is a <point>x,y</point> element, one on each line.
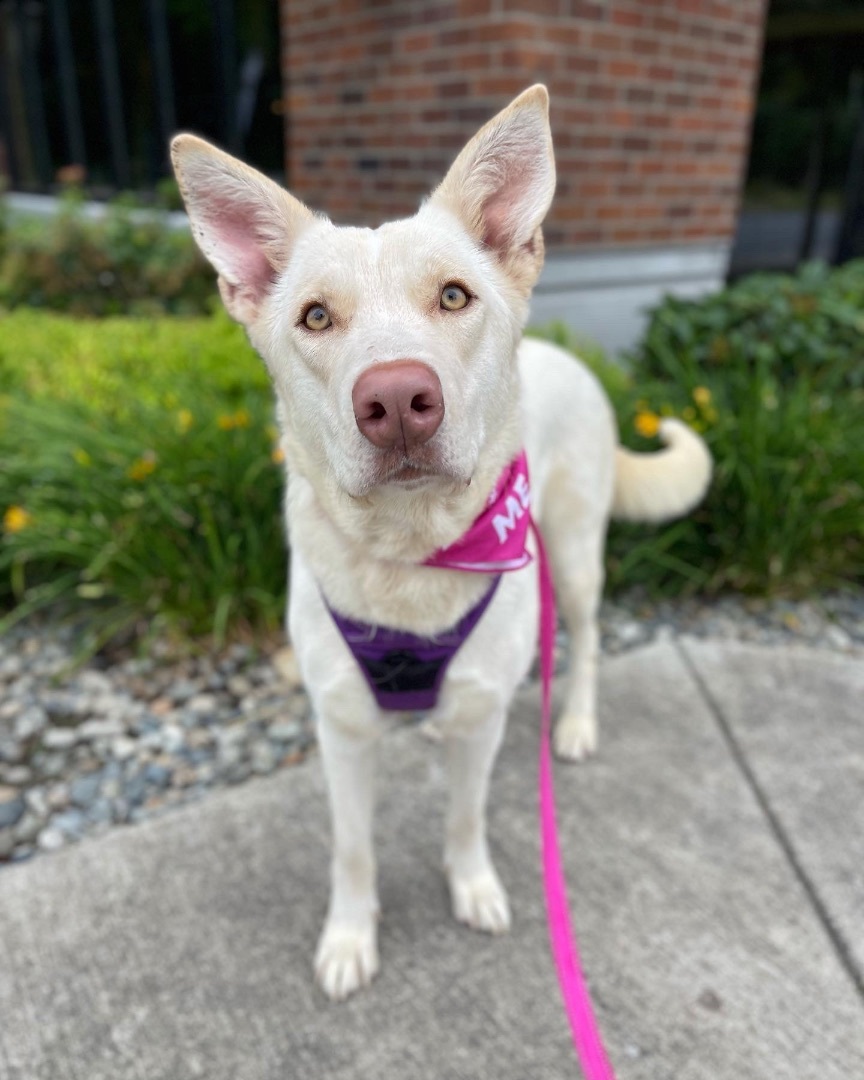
<point>835,937</point>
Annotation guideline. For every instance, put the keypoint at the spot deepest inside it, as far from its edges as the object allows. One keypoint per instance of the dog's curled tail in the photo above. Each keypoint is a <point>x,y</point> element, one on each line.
<point>665,484</point>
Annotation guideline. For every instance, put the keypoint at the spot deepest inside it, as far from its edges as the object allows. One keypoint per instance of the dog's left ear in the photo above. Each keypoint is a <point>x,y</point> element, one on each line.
<point>502,183</point>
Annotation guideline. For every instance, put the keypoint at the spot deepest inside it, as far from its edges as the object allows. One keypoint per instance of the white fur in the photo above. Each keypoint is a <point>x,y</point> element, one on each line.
<point>358,537</point>
<point>653,487</point>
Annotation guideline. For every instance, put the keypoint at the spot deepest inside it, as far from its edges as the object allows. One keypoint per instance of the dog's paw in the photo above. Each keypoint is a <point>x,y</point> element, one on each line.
<point>575,737</point>
<point>346,959</point>
<point>480,902</point>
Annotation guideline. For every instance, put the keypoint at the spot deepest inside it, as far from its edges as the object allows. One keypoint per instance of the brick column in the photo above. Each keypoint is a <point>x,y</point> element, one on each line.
<point>651,107</point>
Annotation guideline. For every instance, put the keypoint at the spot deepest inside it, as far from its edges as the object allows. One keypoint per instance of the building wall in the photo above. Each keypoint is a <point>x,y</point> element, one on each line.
<point>651,108</point>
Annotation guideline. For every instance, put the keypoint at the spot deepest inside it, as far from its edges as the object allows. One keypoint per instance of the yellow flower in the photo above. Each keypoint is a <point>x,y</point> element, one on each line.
<point>16,518</point>
<point>142,467</point>
<point>702,396</point>
<point>278,455</point>
<point>229,421</point>
<point>185,419</point>
<point>689,414</point>
<point>647,424</point>
<point>82,458</point>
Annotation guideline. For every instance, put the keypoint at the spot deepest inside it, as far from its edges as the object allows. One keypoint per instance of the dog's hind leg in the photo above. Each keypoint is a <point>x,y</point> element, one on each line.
<point>478,897</point>
<point>575,546</point>
<point>347,955</point>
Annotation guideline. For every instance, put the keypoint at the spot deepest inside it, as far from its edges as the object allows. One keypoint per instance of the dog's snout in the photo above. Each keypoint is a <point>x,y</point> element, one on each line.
<point>398,404</point>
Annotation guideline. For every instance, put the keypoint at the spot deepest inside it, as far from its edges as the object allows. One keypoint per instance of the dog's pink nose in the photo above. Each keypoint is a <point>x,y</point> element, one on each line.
<point>398,404</point>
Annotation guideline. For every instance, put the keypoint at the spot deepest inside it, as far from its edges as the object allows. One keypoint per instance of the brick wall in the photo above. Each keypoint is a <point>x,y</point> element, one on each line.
<point>651,106</point>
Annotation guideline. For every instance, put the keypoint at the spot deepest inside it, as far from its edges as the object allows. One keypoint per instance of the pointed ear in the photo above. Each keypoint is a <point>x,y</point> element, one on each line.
<point>502,183</point>
<point>244,223</point>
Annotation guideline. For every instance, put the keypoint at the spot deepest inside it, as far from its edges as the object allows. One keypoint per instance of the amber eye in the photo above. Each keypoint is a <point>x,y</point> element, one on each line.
<point>453,297</point>
<point>317,317</point>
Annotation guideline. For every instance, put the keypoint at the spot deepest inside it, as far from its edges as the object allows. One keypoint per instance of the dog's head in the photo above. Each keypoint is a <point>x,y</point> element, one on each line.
<point>392,350</point>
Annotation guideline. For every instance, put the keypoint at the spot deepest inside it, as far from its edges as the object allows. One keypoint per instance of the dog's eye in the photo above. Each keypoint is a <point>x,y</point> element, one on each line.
<point>317,317</point>
<point>453,297</point>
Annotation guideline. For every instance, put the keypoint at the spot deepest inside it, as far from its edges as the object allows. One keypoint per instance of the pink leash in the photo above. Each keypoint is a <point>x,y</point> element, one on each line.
<point>577,999</point>
<point>495,543</point>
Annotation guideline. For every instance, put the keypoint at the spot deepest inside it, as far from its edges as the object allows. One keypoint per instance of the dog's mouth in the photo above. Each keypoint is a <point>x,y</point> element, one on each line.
<point>416,470</point>
<point>413,476</point>
<point>408,474</point>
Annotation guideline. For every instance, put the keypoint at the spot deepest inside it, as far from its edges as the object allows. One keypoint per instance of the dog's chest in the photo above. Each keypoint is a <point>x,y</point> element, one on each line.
<point>394,593</point>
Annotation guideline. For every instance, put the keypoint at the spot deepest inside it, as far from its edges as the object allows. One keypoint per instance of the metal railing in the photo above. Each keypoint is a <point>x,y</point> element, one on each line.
<point>90,88</point>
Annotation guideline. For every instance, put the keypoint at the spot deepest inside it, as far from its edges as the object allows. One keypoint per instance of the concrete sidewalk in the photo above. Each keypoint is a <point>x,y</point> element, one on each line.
<point>715,853</point>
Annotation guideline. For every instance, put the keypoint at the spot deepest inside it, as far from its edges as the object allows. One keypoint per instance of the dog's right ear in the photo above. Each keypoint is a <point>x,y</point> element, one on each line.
<point>244,223</point>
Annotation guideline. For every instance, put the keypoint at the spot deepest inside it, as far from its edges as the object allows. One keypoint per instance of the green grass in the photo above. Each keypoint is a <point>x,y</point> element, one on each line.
<point>111,364</point>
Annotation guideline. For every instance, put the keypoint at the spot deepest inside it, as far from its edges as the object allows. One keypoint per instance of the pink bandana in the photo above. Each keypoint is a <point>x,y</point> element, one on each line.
<point>496,541</point>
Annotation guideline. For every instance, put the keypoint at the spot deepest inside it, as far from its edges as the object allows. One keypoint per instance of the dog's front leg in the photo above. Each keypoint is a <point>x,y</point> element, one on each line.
<point>347,954</point>
<point>479,899</point>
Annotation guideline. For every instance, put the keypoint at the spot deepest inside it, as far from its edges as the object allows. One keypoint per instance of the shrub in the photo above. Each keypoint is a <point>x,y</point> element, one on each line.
<point>809,325</point>
<point>129,262</point>
<point>771,370</point>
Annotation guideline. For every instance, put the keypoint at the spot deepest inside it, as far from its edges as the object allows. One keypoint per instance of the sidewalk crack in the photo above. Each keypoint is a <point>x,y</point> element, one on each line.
<point>835,936</point>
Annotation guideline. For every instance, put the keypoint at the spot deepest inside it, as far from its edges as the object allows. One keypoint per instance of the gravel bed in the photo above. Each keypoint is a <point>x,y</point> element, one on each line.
<point>84,750</point>
<point>108,744</point>
<point>830,621</point>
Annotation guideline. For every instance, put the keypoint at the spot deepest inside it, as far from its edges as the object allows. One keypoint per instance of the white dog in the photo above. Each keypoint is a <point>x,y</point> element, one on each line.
<point>404,392</point>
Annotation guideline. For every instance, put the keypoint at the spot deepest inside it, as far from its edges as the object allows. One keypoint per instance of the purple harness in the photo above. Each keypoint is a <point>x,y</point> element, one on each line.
<point>405,671</point>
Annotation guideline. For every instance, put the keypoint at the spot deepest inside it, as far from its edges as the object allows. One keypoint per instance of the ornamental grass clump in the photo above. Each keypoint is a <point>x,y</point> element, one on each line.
<point>150,500</point>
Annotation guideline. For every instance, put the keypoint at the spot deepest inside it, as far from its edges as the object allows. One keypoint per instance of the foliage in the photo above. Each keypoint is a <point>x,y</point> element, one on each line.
<point>809,98</point>
<point>140,483</point>
<point>139,478</point>
<point>770,370</point>
<point>808,325</point>
<point>128,262</point>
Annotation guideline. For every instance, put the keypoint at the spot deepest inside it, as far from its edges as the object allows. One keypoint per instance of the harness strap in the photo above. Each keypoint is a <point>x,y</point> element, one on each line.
<point>405,671</point>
